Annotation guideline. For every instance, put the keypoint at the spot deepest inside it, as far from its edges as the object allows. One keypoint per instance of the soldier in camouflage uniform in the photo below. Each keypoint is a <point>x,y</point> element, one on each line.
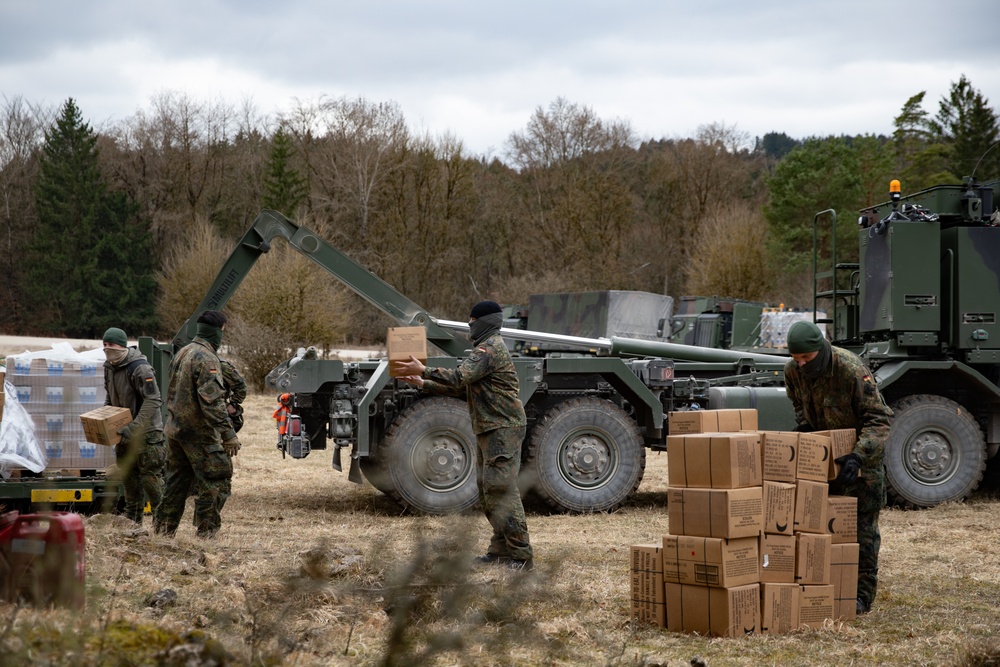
<point>200,438</point>
<point>830,388</point>
<point>488,381</point>
<point>129,382</point>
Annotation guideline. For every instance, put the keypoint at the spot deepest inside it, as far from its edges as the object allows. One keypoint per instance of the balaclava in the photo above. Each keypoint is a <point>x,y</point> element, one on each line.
<point>488,320</point>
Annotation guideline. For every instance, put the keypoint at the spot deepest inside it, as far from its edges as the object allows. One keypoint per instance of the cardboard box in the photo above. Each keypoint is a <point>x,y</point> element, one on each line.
<point>101,426</point>
<point>779,608</point>
<point>714,460</point>
<point>842,518</point>
<point>842,442</point>
<point>779,453</point>
<point>403,342</point>
<point>814,457</point>
<point>844,577</point>
<point>742,419</point>
<point>712,421</point>
<point>727,513</point>
<point>648,602</point>
<point>812,559</point>
<point>718,612</point>
<point>810,506</point>
<point>692,421</point>
<point>779,507</point>
<point>710,561</point>
<point>815,605</point>
<point>777,559</point>
<point>647,558</point>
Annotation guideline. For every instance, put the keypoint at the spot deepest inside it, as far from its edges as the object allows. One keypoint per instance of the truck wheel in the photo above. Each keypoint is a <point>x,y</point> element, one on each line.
<point>585,455</point>
<point>430,453</point>
<point>935,452</point>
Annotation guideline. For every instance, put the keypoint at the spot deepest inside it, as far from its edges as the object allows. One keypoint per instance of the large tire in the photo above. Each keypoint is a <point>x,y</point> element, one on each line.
<point>935,452</point>
<point>430,454</point>
<point>585,455</point>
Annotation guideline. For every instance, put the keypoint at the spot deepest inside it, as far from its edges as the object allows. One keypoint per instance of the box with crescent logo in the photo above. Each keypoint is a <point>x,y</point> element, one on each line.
<point>779,507</point>
<point>842,519</point>
<point>844,577</point>
<point>812,558</point>
<point>716,512</point>
<point>714,460</point>
<point>815,605</point>
<point>842,442</point>
<point>777,559</point>
<point>779,451</point>
<point>810,506</point>
<point>779,608</point>
<point>403,342</point>
<point>710,561</point>
<point>814,457</point>
<point>716,612</point>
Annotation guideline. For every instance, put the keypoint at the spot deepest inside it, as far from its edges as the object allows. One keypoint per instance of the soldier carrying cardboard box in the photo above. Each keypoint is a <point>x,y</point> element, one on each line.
<point>129,382</point>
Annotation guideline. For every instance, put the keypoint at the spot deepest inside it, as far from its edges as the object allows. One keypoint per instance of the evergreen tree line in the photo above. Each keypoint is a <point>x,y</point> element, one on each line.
<point>126,225</point>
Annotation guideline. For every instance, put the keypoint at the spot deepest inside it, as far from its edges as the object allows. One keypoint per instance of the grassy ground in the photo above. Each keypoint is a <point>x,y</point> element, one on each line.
<point>310,569</point>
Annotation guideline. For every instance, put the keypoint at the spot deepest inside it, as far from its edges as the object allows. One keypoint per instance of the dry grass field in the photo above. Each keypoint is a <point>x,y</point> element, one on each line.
<point>310,569</point>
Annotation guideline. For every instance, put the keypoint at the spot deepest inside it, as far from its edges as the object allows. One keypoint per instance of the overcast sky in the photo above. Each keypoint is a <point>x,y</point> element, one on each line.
<point>480,69</point>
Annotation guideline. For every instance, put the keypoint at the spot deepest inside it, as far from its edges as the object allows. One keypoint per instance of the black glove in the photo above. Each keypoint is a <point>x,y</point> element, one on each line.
<point>802,428</point>
<point>849,464</point>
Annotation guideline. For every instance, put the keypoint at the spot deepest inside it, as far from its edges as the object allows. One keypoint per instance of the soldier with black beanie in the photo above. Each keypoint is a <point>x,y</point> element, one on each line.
<point>488,381</point>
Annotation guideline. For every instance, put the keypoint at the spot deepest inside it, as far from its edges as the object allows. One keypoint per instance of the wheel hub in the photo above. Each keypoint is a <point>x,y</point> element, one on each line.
<point>931,457</point>
<point>585,459</point>
<point>443,462</point>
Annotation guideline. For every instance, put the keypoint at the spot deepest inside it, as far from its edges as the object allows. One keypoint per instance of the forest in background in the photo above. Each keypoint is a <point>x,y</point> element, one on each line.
<point>127,224</point>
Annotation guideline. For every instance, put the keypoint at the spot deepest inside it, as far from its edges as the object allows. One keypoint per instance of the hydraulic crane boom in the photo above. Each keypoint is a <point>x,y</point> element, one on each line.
<point>257,241</point>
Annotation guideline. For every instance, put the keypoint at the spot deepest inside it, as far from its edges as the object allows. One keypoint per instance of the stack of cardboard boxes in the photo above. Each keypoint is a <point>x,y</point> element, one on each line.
<point>55,393</point>
<point>755,543</point>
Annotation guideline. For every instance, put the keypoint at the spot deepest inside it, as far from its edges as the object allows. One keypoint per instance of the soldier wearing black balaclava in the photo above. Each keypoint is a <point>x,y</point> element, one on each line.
<point>200,437</point>
<point>831,388</point>
<point>488,381</point>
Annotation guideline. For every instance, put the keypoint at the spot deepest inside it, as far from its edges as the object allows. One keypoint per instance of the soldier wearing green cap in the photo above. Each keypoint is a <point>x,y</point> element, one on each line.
<point>488,381</point>
<point>830,388</point>
<point>129,382</point>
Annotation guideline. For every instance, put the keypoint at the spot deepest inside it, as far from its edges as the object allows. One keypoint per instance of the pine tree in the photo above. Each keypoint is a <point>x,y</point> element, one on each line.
<point>89,263</point>
<point>966,121</point>
<point>284,187</point>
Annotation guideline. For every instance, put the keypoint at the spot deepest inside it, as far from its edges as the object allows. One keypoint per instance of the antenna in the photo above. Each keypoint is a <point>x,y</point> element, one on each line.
<point>973,177</point>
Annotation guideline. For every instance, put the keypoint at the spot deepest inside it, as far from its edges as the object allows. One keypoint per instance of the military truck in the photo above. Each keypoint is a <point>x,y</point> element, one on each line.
<point>920,307</point>
<point>594,404</point>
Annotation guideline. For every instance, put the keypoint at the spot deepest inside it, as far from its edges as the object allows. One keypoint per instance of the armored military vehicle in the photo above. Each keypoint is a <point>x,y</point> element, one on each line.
<point>920,307</point>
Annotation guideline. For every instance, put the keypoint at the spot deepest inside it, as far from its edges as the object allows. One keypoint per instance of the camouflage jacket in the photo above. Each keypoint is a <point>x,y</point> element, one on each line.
<point>196,396</point>
<point>846,396</point>
<point>136,390</point>
<point>488,381</point>
<point>236,386</point>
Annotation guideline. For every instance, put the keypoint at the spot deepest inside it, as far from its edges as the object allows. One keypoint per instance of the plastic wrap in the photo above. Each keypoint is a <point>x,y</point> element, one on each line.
<point>18,445</point>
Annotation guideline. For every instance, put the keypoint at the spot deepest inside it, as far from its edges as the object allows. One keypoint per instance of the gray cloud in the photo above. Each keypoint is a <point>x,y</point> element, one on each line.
<point>480,69</point>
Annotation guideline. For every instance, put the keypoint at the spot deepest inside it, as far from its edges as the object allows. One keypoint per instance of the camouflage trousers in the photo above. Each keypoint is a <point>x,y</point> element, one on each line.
<point>498,461</point>
<point>142,474</point>
<point>871,495</point>
<point>204,465</point>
